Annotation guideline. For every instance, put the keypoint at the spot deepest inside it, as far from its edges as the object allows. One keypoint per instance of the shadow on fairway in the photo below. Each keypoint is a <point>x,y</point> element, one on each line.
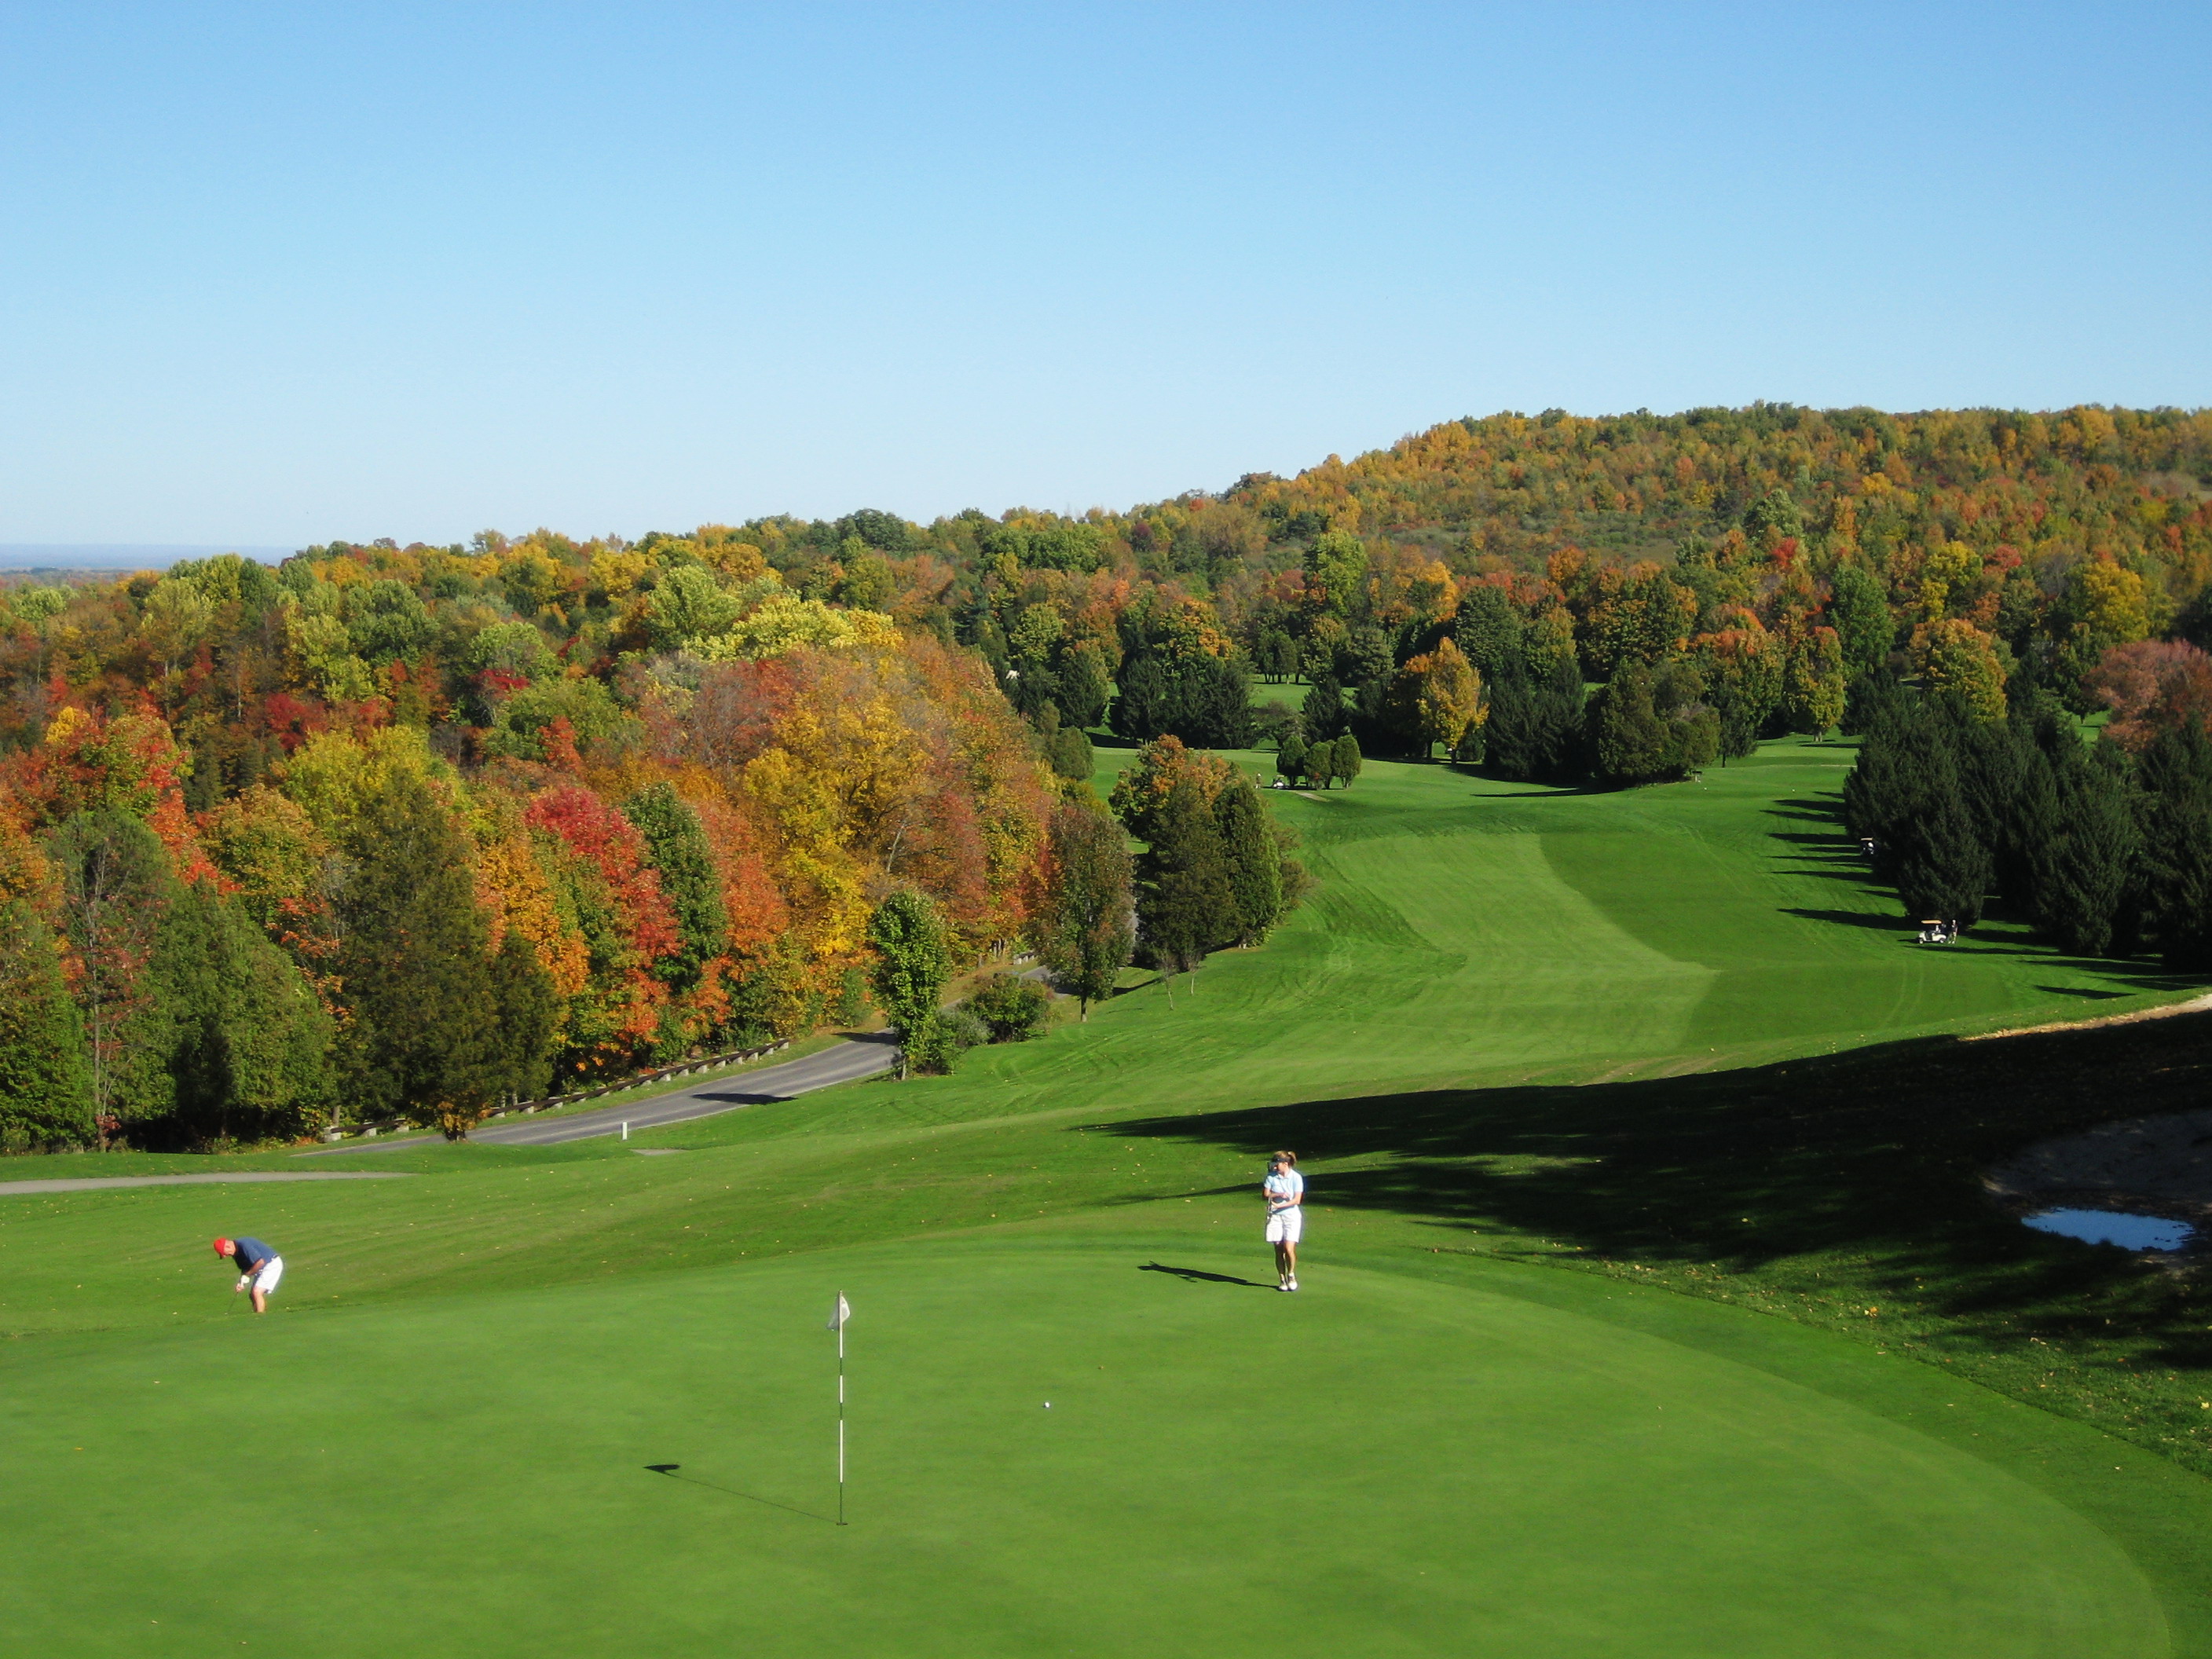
<point>1867,1165</point>
<point>1195,1275</point>
<point>672,1471</point>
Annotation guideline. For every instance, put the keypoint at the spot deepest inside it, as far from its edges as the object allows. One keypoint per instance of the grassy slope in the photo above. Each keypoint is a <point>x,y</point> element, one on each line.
<point>1470,936</point>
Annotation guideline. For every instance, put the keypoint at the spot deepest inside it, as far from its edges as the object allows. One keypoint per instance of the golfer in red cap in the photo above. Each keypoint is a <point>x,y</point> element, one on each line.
<point>259,1267</point>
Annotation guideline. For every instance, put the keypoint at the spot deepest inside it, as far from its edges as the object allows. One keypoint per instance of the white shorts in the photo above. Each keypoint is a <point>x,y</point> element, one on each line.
<point>1286,1225</point>
<point>271,1271</point>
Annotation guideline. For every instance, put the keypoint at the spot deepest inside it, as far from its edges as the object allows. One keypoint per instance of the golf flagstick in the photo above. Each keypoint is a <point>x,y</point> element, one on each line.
<point>838,1317</point>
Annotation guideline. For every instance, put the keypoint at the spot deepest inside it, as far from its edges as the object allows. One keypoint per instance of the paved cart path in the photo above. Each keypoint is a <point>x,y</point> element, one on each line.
<point>9,1186</point>
<point>860,1057</point>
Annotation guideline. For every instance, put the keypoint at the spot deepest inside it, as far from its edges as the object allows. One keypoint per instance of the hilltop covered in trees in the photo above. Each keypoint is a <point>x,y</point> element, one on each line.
<point>631,799</point>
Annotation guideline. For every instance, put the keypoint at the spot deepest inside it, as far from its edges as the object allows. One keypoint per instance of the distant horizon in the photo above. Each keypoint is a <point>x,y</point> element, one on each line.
<point>122,557</point>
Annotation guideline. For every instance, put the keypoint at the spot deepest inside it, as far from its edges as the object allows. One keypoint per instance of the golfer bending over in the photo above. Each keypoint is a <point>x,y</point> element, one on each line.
<point>1286,1192</point>
<point>259,1267</point>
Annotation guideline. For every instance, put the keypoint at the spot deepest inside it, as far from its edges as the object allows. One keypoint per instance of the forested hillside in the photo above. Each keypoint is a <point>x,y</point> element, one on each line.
<point>578,805</point>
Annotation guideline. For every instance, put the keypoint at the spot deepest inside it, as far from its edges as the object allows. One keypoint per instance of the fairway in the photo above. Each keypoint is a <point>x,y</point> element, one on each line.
<point>439,1441</point>
<point>1412,1469</point>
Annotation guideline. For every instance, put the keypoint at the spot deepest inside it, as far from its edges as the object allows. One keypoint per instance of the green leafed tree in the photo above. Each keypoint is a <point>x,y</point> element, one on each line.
<point>45,1086</point>
<point>913,958</point>
<point>1084,930</point>
<point>116,890</point>
<point>1345,759</point>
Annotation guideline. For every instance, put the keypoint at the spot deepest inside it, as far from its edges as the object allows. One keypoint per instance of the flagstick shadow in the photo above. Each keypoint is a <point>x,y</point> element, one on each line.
<point>670,1470</point>
<point>1195,1274</point>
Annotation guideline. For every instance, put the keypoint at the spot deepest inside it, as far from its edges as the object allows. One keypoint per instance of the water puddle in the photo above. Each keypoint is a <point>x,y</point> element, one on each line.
<point>2129,1232</point>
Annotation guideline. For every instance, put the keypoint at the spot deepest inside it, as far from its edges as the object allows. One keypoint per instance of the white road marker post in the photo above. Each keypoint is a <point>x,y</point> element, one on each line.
<point>625,1129</point>
<point>838,1317</point>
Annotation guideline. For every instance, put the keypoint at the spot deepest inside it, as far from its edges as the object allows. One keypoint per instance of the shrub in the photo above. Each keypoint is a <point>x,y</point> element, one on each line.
<point>1008,1009</point>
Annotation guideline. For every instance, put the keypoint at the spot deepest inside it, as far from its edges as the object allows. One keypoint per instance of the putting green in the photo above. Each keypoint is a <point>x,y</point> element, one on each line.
<point>1380,1465</point>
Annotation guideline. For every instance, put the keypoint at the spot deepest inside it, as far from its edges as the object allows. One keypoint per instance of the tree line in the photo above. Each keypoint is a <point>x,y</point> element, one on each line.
<point>2104,846</point>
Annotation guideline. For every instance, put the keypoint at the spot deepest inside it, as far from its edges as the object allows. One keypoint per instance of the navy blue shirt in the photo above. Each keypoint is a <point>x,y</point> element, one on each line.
<point>251,1253</point>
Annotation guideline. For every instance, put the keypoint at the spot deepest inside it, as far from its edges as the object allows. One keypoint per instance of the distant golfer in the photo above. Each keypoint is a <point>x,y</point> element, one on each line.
<point>1286,1192</point>
<point>259,1268</point>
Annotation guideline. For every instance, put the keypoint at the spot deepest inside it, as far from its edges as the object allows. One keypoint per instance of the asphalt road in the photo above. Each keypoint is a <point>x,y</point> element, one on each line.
<point>858,1057</point>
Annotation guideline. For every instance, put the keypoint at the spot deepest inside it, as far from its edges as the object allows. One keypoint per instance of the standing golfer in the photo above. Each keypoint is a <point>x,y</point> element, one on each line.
<point>1285,1189</point>
<point>259,1267</point>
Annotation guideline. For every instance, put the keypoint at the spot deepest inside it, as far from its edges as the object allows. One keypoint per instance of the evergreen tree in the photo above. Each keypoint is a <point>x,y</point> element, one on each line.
<point>1323,710</point>
<point>250,1042</point>
<point>1248,850</point>
<point>2083,874</point>
<point>1084,930</point>
<point>529,1011</point>
<point>1084,687</point>
<point>1944,869</point>
<point>425,1039</point>
<point>45,1086</point>
<point>1489,632</point>
<point>1184,902</point>
<point>1217,704</point>
<point>1629,741</point>
<point>1145,700</point>
<point>1290,758</point>
<point>677,843</point>
<point>1345,759</point>
<point>913,958</point>
<point>2177,777</point>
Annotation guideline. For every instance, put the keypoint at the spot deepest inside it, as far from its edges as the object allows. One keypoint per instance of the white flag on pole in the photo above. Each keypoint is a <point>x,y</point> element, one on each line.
<point>840,1316</point>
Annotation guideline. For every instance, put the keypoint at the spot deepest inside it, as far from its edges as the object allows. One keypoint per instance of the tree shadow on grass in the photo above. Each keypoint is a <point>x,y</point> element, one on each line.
<point>1873,918</point>
<point>1873,1156</point>
<point>672,1471</point>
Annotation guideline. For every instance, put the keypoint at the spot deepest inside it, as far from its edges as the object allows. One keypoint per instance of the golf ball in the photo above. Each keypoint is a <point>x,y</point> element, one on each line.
<point>1047,1405</point>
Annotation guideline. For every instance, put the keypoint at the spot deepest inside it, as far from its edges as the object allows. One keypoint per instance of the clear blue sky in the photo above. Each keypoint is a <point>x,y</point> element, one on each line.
<point>278,274</point>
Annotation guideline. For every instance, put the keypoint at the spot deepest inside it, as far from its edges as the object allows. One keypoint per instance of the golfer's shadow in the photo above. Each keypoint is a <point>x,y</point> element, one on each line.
<point>671,1471</point>
<point>1196,1276</point>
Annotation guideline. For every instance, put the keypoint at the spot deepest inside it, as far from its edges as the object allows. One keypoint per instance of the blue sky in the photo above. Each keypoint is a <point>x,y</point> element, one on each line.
<point>276,274</point>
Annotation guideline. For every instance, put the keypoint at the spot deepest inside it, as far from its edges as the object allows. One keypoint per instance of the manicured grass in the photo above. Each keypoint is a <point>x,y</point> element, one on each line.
<point>1416,1466</point>
<point>468,1370</point>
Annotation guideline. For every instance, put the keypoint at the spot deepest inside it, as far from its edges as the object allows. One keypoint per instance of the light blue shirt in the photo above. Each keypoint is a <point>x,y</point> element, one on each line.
<point>1282,1189</point>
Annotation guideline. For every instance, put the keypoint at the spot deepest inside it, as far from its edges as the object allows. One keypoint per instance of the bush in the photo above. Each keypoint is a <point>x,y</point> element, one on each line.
<point>1008,1009</point>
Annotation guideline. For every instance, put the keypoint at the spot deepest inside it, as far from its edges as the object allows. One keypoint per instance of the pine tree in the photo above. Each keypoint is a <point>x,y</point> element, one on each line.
<point>1943,869</point>
<point>45,1086</point>
<point>1628,739</point>
<point>1146,700</point>
<point>679,850</point>
<point>1255,878</point>
<point>529,1012</point>
<point>251,1042</point>
<point>1291,759</point>
<point>2177,778</point>
<point>1323,710</point>
<point>2083,874</point>
<point>1345,759</point>
<point>1489,632</point>
<point>913,960</point>
<point>424,1040</point>
<point>1217,705</point>
<point>1184,902</point>
<point>1085,929</point>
